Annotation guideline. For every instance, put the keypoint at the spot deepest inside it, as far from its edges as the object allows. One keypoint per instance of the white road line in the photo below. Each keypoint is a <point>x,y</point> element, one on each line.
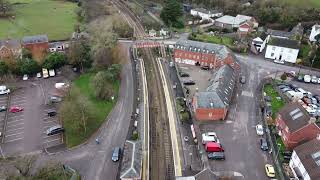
<point>14,134</point>
<point>58,139</point>
<point>14,129</point>
<point>13,140</point>
<point>15,124</point>
<point>15,121</point>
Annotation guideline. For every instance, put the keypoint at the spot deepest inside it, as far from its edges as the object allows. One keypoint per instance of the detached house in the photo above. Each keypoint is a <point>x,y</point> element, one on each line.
<point>259,43</point>
<point>305,160</point>
<point>205,14</point>
<point>314,32</point>
<point>38,45</point>
<point>10,48</point>
<point>295,126</point>
<point>282,50</point>
<point>230,22</point>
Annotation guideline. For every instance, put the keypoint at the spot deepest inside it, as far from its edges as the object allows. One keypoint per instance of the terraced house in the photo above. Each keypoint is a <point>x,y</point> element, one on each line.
<point>204,54</point>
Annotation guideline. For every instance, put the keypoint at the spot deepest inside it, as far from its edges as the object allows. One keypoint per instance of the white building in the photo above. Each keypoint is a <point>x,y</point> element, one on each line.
<point>205,14</point>
<point>260,42</point>
<point>305,161</point>
<point>152,33</point>
<point>314,32</point>
<point>282,50</point>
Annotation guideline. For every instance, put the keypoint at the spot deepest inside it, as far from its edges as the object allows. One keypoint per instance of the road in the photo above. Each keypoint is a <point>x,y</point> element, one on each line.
<point>93,161</point>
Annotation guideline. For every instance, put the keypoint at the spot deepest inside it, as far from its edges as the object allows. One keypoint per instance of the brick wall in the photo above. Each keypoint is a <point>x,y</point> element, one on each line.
<point>38,50</point>
<point>208,114</point>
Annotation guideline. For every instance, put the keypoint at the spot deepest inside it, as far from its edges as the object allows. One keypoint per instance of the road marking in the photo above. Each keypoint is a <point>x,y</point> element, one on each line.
<point>15,115</point>
<point>14,134</point>
<point>15,124</point>
<point>14,129</point>
<point>229,121</point>
<point>247,93</point>
<point>58,139</point>
<point>13,140</point>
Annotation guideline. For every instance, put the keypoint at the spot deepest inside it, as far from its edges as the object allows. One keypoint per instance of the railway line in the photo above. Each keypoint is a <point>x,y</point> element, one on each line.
<point>161,163</point>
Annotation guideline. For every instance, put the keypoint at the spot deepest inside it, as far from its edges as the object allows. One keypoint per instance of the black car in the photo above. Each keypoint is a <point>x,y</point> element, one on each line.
<point>116,153</point>
<point>287,153</point>
<point>184,74</point>
<point>205,67</point>
<point>264,144</point>
<point>216,155</point>
<point>3,108</point>
<point>293,86</point>
<point>52,113</point>
<point>189,82</point>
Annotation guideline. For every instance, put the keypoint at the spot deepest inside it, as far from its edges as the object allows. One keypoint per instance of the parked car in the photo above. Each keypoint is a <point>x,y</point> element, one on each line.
<point>52,73</point>
<point>15,109</point>
<point>55,99</point>
<point>293,86</point>
<point>287,153</point>
<point>307,78</point>
<point>307,100</point>
<point>264,144</point>
<point>318,80</point>
<point>116,154</point>
<point>189,82</point>
<point>216,155</point>
<point>314,79</point>
<point>270,170</point>
<point>39,75</point>
<point>4,90</point>
<point>243,79</point>
<point>205,67</point>
<point>213,147</point>
<point>182,74</point>
<point>45,73</point>
<point>286,89</point>
<point>3,108</point>
<point>317,97</point>
<point>55,130</point>
<point>259,130</point>
<point>25,77</point>
<point>300,78</point>
<point>209,137</point>
<point>52,112</point>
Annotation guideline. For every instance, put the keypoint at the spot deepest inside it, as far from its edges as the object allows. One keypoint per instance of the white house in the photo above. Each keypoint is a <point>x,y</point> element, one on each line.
<point>152,33</point>
<point>305,160</point>
<point>314,32</point>
<point>205,14</point>
<point>163,32</point>
<point>260,42</point>
<point>282,50</point>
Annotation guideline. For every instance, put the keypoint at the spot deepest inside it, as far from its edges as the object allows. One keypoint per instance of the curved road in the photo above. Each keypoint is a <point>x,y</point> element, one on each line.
<point>94,161</point>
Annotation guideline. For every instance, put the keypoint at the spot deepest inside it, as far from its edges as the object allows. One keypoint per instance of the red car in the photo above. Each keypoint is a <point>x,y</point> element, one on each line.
<point>15,109</point>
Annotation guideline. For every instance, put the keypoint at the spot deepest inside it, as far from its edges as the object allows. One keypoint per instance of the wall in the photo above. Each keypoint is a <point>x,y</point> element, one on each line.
<point>295,163</point>
<point>203,114</point>
<point>38,50</point>
<point>281,53</point>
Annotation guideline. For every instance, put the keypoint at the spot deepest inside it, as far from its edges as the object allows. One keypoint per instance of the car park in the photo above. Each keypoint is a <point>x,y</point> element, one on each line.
<point>259,130</point>
<point>270,170</point>
<point>15,109</point>
<point>3,108</point>
<point>55,130</point>
<point>216,155</point>
<point>189,82</point>
<point>243,79</point>
<point>116,154</point>
<point>264,144</point>
<point>25,77</point>
<point>209,137</point>
<point>314,79</point>
<point>4,90</point>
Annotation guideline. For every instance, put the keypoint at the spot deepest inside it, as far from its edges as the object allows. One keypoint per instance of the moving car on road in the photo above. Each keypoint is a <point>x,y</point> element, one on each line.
<point>4,90</point>
<point>216,155</point>
<point>45,73</point>
<point>259,130</point>
<point>54,130</point>
<point>116,153</point>
<point>15,109</point>
<point>270,170</point>
<point>25,77</point>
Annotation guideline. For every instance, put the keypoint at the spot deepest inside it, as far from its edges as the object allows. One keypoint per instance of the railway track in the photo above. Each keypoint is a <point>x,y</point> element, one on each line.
<point>161,155</point>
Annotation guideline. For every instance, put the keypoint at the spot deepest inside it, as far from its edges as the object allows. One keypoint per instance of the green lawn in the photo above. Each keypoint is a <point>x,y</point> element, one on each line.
<point>275,103</point>
<point>214,39</point>
<point>100,110</point>
<point>281,147</point>
<point>305,49</point>
<point>52,17</point>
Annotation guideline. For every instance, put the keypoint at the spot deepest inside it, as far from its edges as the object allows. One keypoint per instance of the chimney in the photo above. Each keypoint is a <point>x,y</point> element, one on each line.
<point>211,105</point>
<point>312,120</point>
<point>318,137</point>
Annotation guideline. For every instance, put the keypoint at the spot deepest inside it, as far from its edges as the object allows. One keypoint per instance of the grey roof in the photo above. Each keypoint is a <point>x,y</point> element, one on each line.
<point>309,155</point>
<point>294,116</point>
<point>10,43</point>
<point>263,36</point>
<point>132,160</point>
<point>226,19</point>
<point>35,39</point>
<point>220,89</point>
<point>195,46</point>
<point>282,42</point>
<point>203,10</point>
<point>278,33</point>
<point>206,174</point>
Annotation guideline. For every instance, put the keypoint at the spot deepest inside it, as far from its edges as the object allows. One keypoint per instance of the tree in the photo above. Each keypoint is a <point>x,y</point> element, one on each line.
<point>26,53</point>
<point>121,27</point>
<point>171,14</point>
<point>283,77</point>
<point>79,54</point>
<point>54,61</point>
<point>3,68</point>
<point>102,85</point>
<point>28,66</point>
<point>5,8</point>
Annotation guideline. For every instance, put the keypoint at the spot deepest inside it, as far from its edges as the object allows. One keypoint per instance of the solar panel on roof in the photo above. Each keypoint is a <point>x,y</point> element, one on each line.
<point>297,116</point>
<point>294,111</point>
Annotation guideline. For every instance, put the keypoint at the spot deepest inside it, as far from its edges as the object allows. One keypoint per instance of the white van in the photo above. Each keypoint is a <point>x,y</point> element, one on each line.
<point>307,78</point>
<point>4,90</point>
<point>294,94</point>
<point>45,73</point>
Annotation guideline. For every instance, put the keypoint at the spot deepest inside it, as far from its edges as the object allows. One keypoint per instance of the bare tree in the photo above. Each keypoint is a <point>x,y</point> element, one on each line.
<point>5,8</point>
<point>24,165</point>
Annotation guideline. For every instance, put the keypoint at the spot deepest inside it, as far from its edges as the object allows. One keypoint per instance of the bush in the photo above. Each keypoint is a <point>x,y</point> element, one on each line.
<point>135,135</point>
<point>3,68</point>
<point>54,61</point>
<point>28,66</point>
<point>283,77</point>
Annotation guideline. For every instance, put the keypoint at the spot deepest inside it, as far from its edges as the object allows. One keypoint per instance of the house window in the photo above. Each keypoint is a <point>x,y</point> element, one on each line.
<point>272,54</point>
<point>273,48</point>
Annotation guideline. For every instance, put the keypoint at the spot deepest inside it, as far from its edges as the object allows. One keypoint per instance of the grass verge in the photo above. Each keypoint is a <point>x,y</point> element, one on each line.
<point>32,17</point>
<point>99,110</point>
<point>276,104</point>
<point>227,41</point>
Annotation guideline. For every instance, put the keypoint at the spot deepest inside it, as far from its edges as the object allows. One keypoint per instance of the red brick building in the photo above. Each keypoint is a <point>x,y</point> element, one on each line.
<point>295,126</point>
<point>204,54</point>
<point>38,45</point>
<point>213,103</point>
